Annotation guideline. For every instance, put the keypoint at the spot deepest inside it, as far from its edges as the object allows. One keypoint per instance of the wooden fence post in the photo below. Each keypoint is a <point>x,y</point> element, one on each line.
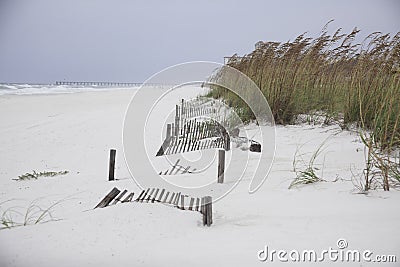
<point>168,131</point>
<point>227,141</point>
<point>207,210</point>
<point>221,166</point>
<point>112,165</point>
<point>176,120</point>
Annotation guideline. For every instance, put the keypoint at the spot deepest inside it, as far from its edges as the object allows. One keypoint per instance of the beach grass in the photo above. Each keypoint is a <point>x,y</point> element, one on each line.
<point>358,82</point>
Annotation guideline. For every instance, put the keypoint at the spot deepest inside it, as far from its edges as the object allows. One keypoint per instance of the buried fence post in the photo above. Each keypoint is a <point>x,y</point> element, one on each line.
<point>112,165</point>
<point>206,210</point>
<point>221,165</point>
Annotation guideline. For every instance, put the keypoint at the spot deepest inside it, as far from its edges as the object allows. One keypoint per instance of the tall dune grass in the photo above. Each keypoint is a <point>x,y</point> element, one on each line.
<point>360,82</point>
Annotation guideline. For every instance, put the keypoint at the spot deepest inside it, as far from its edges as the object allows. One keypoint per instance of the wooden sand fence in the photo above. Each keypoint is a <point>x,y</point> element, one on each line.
<point>156,195</point>
<point>191,131</point>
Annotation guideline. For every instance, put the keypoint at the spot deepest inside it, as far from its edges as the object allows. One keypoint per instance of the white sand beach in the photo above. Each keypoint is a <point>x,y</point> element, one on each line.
<point>74,132</point>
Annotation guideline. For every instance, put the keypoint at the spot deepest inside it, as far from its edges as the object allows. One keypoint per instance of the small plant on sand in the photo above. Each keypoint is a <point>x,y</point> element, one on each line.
<point>36,175</point>
<point>309,174</point>
<point>33,214</point>
<point>381,169</point>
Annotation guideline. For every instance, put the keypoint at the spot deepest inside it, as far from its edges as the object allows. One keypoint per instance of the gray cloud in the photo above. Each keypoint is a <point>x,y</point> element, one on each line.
<point>48,40</point>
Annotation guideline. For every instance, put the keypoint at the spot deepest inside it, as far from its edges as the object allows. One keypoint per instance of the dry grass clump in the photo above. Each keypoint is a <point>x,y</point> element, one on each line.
<point>33,214</point>
<point>35,175</point>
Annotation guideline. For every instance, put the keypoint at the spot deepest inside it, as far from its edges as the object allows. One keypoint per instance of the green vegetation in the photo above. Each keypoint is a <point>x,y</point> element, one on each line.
<point>307,174</point>
<point>35,175</point>
<point>357,82</point>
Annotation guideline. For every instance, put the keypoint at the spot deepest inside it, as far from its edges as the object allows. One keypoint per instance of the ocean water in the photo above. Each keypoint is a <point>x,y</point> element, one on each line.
<point>40,89</point>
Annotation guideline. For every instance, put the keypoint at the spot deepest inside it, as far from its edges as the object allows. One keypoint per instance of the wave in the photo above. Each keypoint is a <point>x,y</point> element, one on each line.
<point>41,89</point>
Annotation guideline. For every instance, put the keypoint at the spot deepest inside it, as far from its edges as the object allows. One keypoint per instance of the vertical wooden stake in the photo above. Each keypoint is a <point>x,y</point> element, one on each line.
<point>112,165</point>
<point>176,201</point>
<point>206,210</point>
<point>191,204</point>
<point>221,166</point>
<point>161,195</point>
<point>182,108</point>
<point>155,196</point>
<point>227,142</point>
<point>149,196</point>
<point>172,198</point>
<point>176,120</point>
<point>197,204</point>
<point>140,195</point>
<point>165,198</point>
<point>168,131</point>
<point>182,202</point>
<point>209,210</point>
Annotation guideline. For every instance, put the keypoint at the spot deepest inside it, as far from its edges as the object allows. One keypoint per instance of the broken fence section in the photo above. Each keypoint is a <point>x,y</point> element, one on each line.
<point>174,199</point>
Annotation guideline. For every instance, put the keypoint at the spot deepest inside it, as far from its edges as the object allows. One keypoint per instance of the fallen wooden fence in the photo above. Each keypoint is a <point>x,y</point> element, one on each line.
<point>152,195</point>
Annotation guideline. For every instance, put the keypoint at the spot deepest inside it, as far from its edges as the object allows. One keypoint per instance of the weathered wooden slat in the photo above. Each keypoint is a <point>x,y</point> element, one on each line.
<point>180,146</point>
<point>161,195</point>
<point>168,131</point>
<point>128,198</point>
<point>202,207</point>
<point>209,211</point>
<point>149,196</point>
<point>164,147</point>
<point>176,146</point>
<point>221,166</point>
<point>197,204</point>
<point>186,138</point>
<point>144,195</point>
<point>177,199</point>
<point>172,198</point>
<point>108,198</point>
<point>155,196</point>
<point>141,194</point>
<point>191,203</point>
<point>173,167</point>
<point>182,207</point>
<point>186,170</point>
<point>118,198</point>
<point>178,169</point>
<point>165,198</point>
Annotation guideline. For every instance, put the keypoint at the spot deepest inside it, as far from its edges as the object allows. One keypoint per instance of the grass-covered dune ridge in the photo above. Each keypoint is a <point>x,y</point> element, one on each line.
<point>359,82</point>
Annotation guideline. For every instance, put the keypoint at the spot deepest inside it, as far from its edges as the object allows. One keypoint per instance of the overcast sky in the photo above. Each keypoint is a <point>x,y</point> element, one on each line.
<point>128,40</point>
